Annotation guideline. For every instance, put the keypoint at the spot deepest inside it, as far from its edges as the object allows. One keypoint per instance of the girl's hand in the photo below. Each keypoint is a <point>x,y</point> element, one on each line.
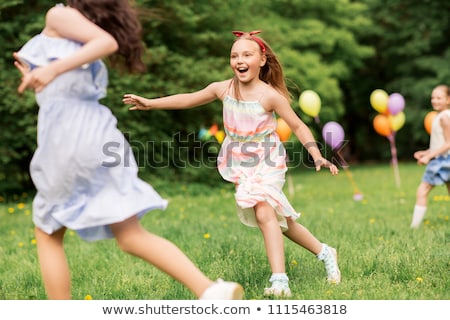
<point>139,103</point>
<point>35,79</point>
<point>322,162</point>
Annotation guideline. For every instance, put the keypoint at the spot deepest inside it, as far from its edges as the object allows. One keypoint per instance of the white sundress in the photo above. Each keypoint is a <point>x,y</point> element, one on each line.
<point>254,159</point>
<point>83,168</point>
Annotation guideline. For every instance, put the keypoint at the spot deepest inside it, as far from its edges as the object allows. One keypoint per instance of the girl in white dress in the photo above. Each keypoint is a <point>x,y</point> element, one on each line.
<point>83,169</point>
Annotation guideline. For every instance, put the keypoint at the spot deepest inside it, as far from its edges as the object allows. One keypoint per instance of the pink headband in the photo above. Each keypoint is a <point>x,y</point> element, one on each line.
<point>251,34</point>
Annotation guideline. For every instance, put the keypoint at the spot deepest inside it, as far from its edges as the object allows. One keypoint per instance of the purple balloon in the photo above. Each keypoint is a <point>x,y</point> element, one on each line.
<point>333,134</point>
<point>396,103</point>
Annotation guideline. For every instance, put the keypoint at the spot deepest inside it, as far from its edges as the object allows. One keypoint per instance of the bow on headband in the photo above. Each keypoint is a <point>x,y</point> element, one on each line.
<point>251,35</point>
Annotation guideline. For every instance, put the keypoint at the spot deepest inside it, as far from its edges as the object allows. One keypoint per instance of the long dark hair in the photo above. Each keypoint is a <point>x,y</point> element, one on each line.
<point>119,18</point>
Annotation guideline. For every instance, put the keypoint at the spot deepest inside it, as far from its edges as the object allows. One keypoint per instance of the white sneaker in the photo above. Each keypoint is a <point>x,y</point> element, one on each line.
<point>279,287</point>
<point>223,290</point>
<point>331,266</point>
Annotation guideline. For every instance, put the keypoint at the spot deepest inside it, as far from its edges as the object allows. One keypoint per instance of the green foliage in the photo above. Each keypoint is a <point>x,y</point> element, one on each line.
<point>341,49</point>
<point>380,257</point>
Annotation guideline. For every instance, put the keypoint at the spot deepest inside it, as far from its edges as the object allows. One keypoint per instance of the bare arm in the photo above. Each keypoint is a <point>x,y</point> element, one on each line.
<point>282,107</point>
<point>178,101</point>
<point>430,154</point>
<point>69,23</point>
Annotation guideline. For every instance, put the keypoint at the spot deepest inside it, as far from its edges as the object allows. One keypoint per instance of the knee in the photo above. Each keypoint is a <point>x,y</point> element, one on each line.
<point>423,190</point>
<point>264,214</point>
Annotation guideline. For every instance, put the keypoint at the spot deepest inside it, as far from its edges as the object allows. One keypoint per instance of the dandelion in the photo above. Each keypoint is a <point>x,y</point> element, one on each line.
<point>294,262</point>
<point>206,236</point>
<point>88,297</point>
<point>20,205</point>
<point>10,210</point>
<point>33,241</point>
<point>419,279</point>
<point>372,221</point>
<point>27,212</point>
<point>20,244</point>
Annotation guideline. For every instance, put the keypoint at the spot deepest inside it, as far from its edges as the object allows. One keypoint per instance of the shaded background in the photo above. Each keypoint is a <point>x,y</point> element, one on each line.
<point>341,49</point>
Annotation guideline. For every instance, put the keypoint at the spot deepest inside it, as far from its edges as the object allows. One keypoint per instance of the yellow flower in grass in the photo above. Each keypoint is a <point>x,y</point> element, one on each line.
<point>419,279</point>
<point>20,205</point>
<point>20,244</point>
<point>294,262</point>
<point>10,210</point>
<point>33,241</point>
<point>206,236</point>
<point>88,297</point>
<point>372,221</point>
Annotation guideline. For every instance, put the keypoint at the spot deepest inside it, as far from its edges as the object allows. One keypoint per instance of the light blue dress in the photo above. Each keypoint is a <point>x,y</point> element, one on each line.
<point>83,168</point>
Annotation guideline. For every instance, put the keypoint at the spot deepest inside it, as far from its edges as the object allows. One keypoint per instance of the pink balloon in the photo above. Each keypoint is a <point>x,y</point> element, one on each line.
<point>333,134</point>
<point>396,103</point>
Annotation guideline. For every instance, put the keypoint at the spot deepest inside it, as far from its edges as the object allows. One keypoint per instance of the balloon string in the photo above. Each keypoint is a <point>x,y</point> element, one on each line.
<point>391,139</point>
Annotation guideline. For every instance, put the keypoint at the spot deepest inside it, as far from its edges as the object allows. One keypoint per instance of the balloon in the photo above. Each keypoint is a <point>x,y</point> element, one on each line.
<point>310,103</point>
<point>396,103</point>
<point>213,130</point>
<point>428,121</point>
<point>379,100</point>
<point>220,135</point>
<point>283,130</point>
<point>333,134</point>
<point>203,134</point>
<point>381,125</point>
<point>397,121</point>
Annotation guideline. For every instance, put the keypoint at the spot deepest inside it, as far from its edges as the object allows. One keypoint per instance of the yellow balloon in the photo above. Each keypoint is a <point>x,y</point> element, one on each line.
<point>396,122</point>
<point>310,103</point>
<point>220,135</point>
<point>379,100</point>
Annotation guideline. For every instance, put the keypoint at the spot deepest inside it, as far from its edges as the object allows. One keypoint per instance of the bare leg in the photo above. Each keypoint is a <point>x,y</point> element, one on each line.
<point>422,193</point>
<point>273,238</point>
<point>53,263</point>
<point>303,237</point>
<point>161,253</point>
<point>420,207</point>
<point>448,187</point>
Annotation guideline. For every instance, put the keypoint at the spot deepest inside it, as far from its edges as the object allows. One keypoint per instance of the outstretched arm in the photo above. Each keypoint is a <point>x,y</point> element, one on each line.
<point>68,23</point>
<point>177,101</point>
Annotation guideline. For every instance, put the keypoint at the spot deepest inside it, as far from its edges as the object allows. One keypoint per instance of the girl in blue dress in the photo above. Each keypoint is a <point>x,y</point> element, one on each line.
<point>83,168</point>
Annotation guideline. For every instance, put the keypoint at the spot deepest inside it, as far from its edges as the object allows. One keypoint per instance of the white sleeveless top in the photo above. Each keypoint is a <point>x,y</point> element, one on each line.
<point>437,137</point>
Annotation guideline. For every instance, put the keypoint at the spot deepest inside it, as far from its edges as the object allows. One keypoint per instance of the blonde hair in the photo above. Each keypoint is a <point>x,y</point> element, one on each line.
<point>444,88</point>
<point>272,71</point>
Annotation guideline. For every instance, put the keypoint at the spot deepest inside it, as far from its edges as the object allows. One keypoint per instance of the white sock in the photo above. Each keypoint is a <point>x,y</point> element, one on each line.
<point>419,213</point>
<point>279,277</point>
<point>323,252</point>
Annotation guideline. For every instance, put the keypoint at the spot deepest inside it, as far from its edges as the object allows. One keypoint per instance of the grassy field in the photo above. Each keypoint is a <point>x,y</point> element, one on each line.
<point>380,257</point>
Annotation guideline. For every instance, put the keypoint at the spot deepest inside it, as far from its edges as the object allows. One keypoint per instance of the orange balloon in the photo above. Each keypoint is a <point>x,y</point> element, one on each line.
<point>428,121</point>
<point>283,130</point>
<point>382,125</point>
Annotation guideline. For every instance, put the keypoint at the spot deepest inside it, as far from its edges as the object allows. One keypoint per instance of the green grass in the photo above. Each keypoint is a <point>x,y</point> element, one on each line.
<point>380,257</point>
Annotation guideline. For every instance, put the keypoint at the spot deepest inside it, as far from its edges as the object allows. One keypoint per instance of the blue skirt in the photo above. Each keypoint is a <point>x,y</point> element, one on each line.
<point>438,171</point>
